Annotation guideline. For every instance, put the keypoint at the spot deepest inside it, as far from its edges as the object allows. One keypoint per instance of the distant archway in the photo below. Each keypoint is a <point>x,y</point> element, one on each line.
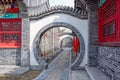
<point>63,37</point>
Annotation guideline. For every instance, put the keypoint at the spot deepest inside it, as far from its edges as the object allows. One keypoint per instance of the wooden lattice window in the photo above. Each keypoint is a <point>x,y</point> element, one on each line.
<point>16,37</point>
<point>109,19</point>
<point>5,38</point>
<point>10,33</point>
<point>16,26</point>
<point>5,26</point>
<point>109,29</point>
<point>109,10</point>
<point>106,30</point>
<point>112,27</point>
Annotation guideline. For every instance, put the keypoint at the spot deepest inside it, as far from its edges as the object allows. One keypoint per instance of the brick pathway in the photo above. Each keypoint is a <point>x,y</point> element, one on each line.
<point>59,70</point>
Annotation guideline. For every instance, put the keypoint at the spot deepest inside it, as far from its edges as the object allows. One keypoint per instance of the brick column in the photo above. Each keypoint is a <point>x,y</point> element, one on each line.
<point>25,54</point>
<point>93,32</point>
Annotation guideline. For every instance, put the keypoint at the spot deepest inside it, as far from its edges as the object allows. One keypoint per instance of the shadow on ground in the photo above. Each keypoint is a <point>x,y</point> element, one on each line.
<point>27,76</point>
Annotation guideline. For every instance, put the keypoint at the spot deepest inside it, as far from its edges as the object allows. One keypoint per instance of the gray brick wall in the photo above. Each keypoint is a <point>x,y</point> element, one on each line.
<point>25,54</point>
<point>109,61</point>
<point>93,31</point>
<point>10,57</point>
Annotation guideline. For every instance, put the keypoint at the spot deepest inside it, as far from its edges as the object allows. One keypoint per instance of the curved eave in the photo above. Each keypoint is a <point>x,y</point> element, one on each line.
<point>66,10</point>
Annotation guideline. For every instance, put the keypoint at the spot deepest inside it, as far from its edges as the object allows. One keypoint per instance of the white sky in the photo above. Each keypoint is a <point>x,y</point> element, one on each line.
<point>62,2</point>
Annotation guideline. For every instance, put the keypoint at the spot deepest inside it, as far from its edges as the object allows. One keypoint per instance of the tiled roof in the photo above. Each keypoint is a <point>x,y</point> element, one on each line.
<point>58,9</point>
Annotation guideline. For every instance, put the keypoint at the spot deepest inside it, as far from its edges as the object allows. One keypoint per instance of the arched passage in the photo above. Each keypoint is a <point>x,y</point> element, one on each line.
<point>36,48</point>
<point>58,19</point>
<point>67,42</point>
<point>63,37</point>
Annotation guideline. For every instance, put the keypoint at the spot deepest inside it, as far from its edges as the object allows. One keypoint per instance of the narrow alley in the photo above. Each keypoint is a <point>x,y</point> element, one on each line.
<point>59,69</point>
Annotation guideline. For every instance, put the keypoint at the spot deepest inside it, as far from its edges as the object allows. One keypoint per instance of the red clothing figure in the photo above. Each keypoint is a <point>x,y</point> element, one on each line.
<point>76,44</point>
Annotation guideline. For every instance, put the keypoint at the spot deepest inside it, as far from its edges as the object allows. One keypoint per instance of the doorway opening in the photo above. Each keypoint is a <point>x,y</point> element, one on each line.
<point>54,38</point>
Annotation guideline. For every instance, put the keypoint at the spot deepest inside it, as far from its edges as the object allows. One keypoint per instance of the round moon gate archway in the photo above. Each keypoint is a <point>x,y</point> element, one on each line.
<point>37,49</point>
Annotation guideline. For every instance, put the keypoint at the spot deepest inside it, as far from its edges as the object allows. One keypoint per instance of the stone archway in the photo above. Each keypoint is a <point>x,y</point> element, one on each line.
<point>63,37</point>
<point>37,51</point>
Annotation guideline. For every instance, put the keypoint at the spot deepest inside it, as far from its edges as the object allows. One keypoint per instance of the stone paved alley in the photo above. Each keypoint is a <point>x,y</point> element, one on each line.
<point>59,69</point>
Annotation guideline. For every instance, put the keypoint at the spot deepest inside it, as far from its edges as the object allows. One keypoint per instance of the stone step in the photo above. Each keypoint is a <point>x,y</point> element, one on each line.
<point>12,70</point>
<point>95,74</point>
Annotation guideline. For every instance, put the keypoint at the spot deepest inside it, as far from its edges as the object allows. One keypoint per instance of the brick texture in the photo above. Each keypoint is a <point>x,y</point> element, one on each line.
<point>93,31</point>
<point>109,61</point>
<point>10,57</point>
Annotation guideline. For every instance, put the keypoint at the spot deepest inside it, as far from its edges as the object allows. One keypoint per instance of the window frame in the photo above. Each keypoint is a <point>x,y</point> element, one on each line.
<point>107,29</point>
<point>10,43</point>
<point>113,39</point>
<point>113,28</point>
